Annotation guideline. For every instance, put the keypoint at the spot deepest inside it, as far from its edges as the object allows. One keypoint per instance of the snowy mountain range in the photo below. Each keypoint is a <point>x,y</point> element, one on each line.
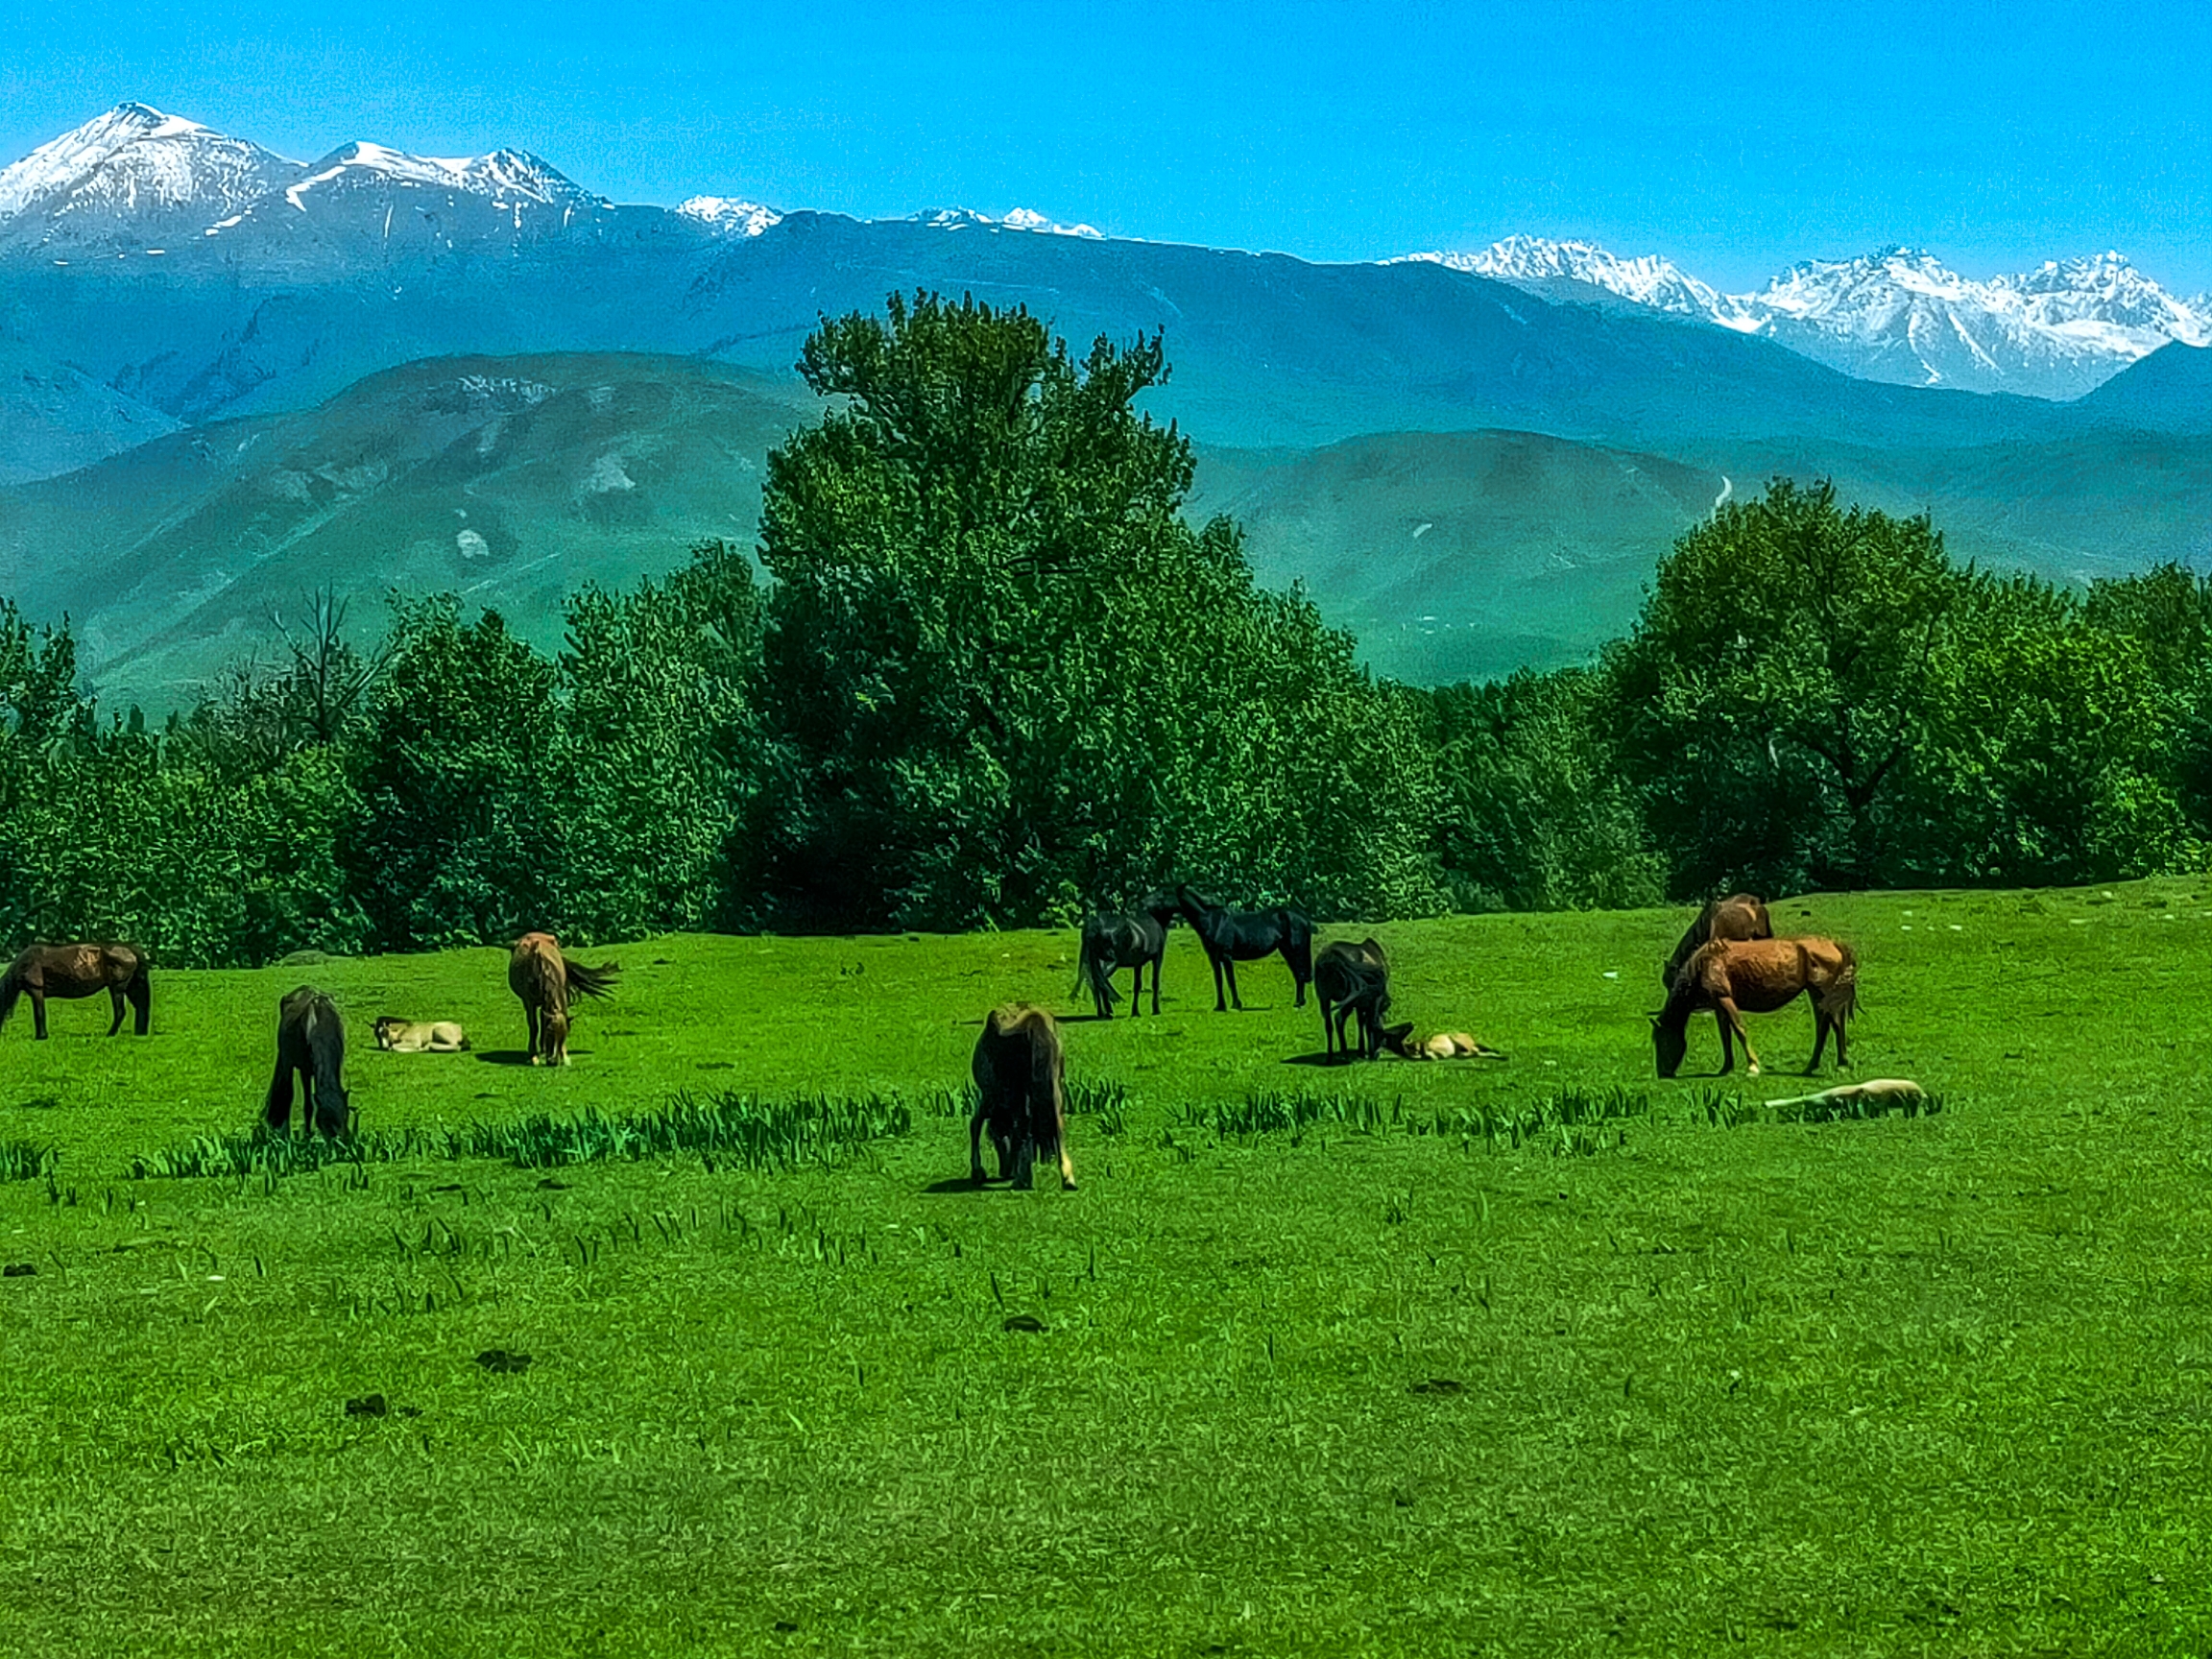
<point>1897,315</point>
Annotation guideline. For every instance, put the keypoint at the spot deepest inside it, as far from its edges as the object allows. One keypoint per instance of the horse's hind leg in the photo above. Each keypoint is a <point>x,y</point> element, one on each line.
<point>975,1146</point>
<point>1157,961</point>
<point>115,998</point>
<point>141,994</point>
<point>1229,967</point>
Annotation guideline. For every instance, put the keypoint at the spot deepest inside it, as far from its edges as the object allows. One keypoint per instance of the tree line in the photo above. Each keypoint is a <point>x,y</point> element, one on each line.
<point>985,673</point>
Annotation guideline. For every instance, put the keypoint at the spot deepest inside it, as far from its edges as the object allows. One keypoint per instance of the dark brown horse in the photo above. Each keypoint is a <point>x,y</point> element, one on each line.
<point>1739,915</point>
<point>311,1041</point>
<point>68,971</point>
<point>543,977</point>
<point>1019,1070</point>
<point>1234,936</point>
<point>1351,979</point>
<point>1111,943</point>
<point>1733,977</point>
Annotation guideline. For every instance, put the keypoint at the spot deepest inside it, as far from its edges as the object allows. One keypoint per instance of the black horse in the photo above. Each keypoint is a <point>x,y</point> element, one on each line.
<point>1114,942</point>
<point>1351,979</point>
<point>311,1041</point>
<point>1234,936</point>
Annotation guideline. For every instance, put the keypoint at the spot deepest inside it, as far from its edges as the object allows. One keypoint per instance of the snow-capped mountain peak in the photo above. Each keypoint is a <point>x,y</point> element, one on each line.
<point>729,215</point>
<point>1650,279</point>
<point>1018,219</point>
<point>506,176</point>
<point>1897,313</point>
<point>135,159</point>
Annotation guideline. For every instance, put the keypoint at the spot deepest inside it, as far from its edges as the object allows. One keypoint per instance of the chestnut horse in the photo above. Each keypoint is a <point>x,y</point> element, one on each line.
<point>1732,977</point>
<point>543,977</point>
<point>78,970</point>
<point>1739,915</point>
<point>1019,1070</point>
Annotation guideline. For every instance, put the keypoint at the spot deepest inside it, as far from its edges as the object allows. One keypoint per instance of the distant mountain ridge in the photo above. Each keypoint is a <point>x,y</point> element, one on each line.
<point>1897,315</point>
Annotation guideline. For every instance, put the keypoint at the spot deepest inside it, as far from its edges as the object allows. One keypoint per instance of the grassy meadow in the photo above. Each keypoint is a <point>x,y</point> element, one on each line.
<point>1539,1357</point>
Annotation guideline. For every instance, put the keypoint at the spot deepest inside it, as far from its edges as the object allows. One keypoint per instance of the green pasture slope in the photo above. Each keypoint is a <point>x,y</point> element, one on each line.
<point>1692,1380</point>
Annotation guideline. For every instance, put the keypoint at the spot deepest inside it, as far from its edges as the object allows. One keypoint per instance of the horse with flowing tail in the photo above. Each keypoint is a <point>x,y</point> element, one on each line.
<point>1234,936</point>
<point>1739,915</point>
<point>1354,979</point>
<point>543,977</point>
<point>1019,1070</point>
<point>1111,943</point>
<point>68,971</point>
<point>1733,977</point>
<point>311,1041</point>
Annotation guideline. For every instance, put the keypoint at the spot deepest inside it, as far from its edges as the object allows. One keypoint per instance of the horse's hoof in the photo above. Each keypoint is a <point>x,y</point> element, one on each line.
<point>1066,1185</point>
<point>1753,1069</point>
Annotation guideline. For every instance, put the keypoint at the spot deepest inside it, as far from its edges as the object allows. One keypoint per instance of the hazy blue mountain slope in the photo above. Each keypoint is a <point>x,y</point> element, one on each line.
<point>2170,391</point>
<point>55,418</point>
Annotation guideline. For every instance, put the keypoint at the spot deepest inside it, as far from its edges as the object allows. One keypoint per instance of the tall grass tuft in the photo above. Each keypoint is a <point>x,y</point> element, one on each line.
<point>756,1131</point>
<point>1276,1111</point>
<point>1566,1118</point>
<point>258,1152</point>
<point>26,1160</point>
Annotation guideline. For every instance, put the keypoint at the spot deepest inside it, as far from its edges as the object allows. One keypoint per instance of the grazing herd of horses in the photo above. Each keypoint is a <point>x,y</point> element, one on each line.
<point>1728,963</point>
<point>310,1033</point>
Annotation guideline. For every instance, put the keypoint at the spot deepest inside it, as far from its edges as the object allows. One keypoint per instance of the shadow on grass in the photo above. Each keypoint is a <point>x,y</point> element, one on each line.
<point>957,1184</point>
<point>1342,1057</point>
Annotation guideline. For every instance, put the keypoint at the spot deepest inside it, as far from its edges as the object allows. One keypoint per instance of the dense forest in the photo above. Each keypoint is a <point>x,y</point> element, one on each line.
<point>984,673</point>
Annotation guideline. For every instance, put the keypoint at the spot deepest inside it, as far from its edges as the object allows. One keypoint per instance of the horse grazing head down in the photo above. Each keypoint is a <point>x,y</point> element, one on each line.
<point>1018,1069</point>
<point>1669,1045</point>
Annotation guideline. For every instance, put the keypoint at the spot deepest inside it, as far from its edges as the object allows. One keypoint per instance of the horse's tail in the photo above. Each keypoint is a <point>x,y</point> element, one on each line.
<point>1046,1103</point>
<point>1841,1001</point>
<point>596,981</point>
<point>277,1109</point>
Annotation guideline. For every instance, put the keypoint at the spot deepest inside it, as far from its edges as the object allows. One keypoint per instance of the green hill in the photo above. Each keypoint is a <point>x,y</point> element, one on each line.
<point>508,480</point>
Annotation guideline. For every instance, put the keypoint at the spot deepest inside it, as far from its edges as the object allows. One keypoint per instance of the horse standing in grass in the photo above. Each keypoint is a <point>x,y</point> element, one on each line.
<point>543,977</point>
<point>1111,943</point>
<point>1758,975</point>
<point>1234,936</point>
<point>311,1041</point>
<point>69,971</point>
<point>1351,979</point>
<point>1019,1070</point>
<point>1739,915</point>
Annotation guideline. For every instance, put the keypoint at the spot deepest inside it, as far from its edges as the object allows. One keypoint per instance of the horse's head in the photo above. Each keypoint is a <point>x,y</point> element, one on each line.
<point>1669,1045</point>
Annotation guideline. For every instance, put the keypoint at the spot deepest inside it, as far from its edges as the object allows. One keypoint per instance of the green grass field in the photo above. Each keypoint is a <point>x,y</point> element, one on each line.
<point>1686,1380</point>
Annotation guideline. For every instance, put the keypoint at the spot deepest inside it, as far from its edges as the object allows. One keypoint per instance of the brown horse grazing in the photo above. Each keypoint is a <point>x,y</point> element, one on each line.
<point>543,977</point>
<point>68,971</point>
<point>1019,1070</point>
<point>1739,915</point>
<point>1759,975</point>
<point>1351,979</point>
<point>311,1041</point>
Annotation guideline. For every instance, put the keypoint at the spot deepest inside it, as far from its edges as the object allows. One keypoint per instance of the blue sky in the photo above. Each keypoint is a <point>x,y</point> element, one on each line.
<point>1733,138</point>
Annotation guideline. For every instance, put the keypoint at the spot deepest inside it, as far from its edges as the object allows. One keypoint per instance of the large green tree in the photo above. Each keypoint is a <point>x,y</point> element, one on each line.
<point>1005,678</point>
